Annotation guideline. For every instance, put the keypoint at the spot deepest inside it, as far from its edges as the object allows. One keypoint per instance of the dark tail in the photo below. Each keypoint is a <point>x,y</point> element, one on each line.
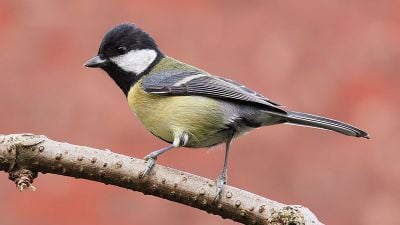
<point>303,119</point>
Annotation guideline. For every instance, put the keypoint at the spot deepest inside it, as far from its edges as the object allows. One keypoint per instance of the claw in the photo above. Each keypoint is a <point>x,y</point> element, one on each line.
<point>150,162</point>
<point>220,182</point>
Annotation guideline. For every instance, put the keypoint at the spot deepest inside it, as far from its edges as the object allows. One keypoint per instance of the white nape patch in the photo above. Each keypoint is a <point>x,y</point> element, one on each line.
<point>135,61</point>
<point>189,78</point>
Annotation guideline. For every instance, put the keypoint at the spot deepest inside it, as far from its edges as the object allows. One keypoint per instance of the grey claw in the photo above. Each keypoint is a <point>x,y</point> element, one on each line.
<point>150,162</point>
<point>220,182</point>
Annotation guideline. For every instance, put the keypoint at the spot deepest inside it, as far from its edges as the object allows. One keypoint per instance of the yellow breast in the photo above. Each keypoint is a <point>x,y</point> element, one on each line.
<point>167,116</point>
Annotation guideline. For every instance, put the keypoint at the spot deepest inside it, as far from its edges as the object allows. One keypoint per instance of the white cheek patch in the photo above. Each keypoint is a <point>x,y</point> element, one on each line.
<point>135,61</point>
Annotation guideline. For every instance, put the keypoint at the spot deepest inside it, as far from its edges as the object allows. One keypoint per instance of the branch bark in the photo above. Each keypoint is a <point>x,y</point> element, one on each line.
<point>24,155</point>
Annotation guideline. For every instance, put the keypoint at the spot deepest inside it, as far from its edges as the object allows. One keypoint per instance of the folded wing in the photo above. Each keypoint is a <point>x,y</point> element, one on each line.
<point>202,84</point>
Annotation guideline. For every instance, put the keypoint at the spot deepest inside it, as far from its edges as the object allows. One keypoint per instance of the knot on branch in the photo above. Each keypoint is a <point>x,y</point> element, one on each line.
<point>23,178</point>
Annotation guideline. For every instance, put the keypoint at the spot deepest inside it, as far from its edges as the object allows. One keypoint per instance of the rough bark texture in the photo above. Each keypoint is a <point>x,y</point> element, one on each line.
<point>24,155</point>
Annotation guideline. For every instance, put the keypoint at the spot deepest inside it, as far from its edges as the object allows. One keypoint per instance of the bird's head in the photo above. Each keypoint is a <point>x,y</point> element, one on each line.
<point>126,52</point>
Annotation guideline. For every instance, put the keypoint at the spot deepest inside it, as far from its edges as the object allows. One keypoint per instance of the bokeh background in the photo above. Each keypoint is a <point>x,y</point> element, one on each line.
<point>335,58</point>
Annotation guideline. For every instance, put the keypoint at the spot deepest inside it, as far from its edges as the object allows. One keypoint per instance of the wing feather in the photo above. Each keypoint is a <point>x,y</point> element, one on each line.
<point>201,84</point>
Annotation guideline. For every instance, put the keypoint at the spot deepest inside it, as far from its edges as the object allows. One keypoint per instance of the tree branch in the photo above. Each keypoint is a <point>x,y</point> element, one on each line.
<point>23,155</point>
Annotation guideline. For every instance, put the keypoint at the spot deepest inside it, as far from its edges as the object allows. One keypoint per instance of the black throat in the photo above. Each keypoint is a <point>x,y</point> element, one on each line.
<point>125,80</point>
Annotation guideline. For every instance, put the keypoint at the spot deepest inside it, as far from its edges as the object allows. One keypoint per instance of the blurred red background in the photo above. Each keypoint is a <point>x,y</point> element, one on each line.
<point>338,59</point>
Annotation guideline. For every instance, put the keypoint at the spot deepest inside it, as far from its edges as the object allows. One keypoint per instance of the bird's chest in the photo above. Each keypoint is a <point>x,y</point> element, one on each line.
<point>166,116</point>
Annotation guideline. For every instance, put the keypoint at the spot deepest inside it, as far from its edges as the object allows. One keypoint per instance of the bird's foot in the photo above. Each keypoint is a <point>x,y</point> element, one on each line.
<point>220,182</point>
<point>150,162</point>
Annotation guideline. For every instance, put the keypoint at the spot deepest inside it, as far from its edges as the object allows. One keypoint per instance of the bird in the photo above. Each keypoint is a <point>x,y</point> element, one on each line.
<point>186,106</point>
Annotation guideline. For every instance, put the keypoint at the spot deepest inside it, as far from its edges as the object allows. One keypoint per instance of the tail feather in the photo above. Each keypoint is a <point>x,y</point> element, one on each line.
<point>303,119</point>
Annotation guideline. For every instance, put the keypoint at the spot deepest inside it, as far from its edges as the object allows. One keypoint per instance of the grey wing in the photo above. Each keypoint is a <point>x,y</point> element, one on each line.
<point>202,84</point>
<point>248,90</point>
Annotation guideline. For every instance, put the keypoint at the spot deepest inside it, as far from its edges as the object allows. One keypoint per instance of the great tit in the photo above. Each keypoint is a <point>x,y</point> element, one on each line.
<point>186,106</point>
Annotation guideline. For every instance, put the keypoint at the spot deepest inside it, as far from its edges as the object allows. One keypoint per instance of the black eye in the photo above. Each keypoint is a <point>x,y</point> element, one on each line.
<point>121,50</point>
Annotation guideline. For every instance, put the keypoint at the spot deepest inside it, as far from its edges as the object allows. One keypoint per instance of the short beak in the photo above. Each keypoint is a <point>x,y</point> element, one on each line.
<point>96,62</point>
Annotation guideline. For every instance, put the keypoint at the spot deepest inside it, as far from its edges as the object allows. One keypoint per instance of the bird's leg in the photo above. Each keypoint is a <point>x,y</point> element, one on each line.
<point>223,177</point>
<point>151,158</point>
